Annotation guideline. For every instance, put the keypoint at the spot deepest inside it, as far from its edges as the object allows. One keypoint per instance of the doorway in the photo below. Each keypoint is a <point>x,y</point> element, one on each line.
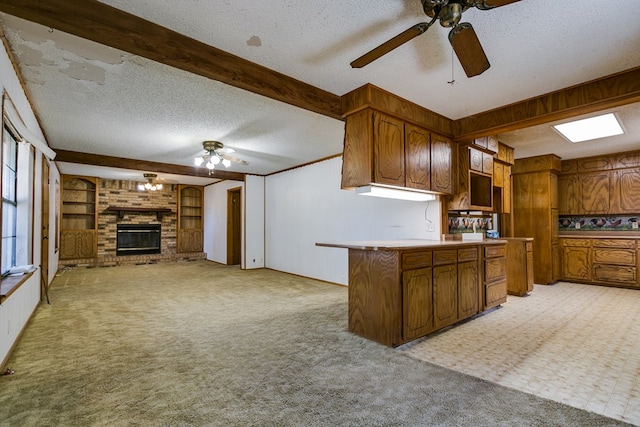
<point>234,226</point>
<point>44,246</point>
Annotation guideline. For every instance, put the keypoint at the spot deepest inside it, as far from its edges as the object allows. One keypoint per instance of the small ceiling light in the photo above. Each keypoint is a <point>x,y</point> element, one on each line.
<point>150,185</point>
<point>591,128</point>
<point>394,193</point>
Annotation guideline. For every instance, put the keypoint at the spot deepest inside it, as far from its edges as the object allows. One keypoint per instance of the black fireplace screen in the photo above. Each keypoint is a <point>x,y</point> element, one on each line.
<point>138,239</point>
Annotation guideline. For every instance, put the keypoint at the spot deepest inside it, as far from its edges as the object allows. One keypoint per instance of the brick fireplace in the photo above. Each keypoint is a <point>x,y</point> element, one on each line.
<point>126,194</point>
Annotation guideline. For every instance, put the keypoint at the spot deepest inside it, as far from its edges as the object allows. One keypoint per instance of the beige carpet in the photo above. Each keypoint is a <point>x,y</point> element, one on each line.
<point>199,344</point>
<point>576,344</point>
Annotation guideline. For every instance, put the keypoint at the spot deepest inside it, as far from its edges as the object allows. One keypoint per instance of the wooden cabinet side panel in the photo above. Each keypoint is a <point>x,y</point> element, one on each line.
<point>417,303</point>
<point>442,150</point>
<point>417,157</point>
<point>375,296</point>
<point>357,155</point>
<point>445,295</point>
<point>388,150</point>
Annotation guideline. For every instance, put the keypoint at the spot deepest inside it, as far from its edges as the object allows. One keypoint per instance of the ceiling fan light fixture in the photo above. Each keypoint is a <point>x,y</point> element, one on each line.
<point>199,161</point>
<point>450,14</point>
<point>226,163</point>
<point>150,185</point>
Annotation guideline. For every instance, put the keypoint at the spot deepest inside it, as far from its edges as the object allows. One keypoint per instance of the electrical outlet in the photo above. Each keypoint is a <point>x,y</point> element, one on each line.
<point>577,226</point>
<point>430,226</point>
<point>634,225</point>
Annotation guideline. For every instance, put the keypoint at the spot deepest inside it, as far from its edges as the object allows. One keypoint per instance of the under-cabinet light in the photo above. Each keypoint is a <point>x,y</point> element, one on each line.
<point>591,128</point>
<point>394,193</point>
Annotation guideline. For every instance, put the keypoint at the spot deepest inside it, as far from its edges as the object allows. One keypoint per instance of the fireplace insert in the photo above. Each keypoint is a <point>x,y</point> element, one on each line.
<point>138,239</point>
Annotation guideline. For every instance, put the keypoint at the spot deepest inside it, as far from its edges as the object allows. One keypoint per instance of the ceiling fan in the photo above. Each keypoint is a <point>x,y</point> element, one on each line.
<point>216,153</point>
<point>462,36</point>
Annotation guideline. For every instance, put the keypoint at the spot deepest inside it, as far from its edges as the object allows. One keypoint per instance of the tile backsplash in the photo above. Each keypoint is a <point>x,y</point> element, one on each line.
<point>599,223</point>
<point>465,224</point>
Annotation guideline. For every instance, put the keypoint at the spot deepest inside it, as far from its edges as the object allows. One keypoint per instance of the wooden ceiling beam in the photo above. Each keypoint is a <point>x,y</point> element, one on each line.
<point>113,27</point>
<point>143,165</point>
<point>608,92</point>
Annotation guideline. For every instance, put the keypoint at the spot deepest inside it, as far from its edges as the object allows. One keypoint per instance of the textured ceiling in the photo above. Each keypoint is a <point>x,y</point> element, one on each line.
<point>91,98</point>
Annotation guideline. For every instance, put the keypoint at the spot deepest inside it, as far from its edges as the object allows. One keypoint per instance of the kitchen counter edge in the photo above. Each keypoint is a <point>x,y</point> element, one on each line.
<point>388,245</point>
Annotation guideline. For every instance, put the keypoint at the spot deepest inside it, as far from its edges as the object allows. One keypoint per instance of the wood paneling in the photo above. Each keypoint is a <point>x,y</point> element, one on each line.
<point>107,25</point>
<point>611,91</point>
<point>370,96</point>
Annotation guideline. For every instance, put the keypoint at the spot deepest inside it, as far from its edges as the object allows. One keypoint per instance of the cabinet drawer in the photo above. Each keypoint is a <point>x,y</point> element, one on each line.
<point>414,260</point>
<point>614,243</point>
<point>495,251</point>
<point>467,254</point>
<point>584,243</point>
<point>495,293</point>
<point>528,246</point>
<point>445,257</point>
<point>614,274</point>
<point>495,269</point>
<point>614,256</point>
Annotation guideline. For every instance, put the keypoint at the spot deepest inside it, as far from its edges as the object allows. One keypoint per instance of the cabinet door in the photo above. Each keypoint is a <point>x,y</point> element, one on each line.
<point>468,288</point>
<point>417,157</point>
<point>388,150</point>
<point>445,295</point>
<point>417,303</point>
<point>441,164</point>
<point>595,192</point>
<point>492,143</point>
<point>487,163</point>
<point>475,159</point>
<point>498,174</point>
<point>568,194</point>
<point>627,191</point>
<point>576,263</point>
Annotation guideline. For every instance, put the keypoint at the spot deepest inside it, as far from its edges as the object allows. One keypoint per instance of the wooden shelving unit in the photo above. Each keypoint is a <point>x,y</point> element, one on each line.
<point>79,217</point>
<point>190,218</point>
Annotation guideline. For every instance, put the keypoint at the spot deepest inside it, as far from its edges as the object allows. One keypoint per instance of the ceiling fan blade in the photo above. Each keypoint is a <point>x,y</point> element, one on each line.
<point>391,44</point>
<point>234,159</point>
<point>491,4</point>
<point>468,49</point>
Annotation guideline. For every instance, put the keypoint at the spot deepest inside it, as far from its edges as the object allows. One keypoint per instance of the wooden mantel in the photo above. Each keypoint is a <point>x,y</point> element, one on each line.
<point>120,210</point>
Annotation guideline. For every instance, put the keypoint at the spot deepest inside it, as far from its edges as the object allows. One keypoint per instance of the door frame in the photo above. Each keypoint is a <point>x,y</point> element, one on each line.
<point>234,226</point>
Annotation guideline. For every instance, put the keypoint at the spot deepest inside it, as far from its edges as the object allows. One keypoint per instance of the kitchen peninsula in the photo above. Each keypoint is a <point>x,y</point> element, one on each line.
<point>400,290</point>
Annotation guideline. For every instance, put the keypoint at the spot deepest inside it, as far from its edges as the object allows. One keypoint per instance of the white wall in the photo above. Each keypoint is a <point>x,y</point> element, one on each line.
<point>306,205</point>
<point>253,255</point>
<point>215,220</point>
<point>16,310</point>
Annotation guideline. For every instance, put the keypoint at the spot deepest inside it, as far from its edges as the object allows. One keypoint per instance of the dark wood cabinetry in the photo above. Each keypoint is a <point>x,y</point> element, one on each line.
<point>383,149</point>
<point>399,294</point>
<point>190,219</point>
<point>79,225</point>
<point>535,207</point>
<point>475,184</point>
<point>519,266</point>
<point>603,261</point>
<point>602,185</point>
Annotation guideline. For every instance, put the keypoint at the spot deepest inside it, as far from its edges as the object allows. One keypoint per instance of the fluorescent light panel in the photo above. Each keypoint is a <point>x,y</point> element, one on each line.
<point>394,193</point>
<point>591,128</point>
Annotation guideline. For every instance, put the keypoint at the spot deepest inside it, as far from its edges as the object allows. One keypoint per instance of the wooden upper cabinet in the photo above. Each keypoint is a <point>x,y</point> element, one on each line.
<point>441,164</point>
<point>388,150</point>
<point>625,197</point>
<point>417,158</point>
<point>475,159</point>
<point>487,163</point>
<point>596,191</point>
<point>492,143</point>
<point>568,195</point>
<point>382,149</point>
<point>498,174</point>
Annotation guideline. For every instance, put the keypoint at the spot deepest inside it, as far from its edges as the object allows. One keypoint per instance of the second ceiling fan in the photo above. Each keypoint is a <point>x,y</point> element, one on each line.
<point>462,36</point>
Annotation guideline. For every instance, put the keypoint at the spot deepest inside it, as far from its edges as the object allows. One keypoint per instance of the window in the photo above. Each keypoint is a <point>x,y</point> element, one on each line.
<point>9,200</point>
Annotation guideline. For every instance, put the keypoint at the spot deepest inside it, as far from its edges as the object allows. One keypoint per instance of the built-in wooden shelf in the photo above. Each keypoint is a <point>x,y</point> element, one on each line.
<point>120,210</point>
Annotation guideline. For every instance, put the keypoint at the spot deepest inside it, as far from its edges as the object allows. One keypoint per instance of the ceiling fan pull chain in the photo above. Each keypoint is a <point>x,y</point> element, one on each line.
<point>453,80</point>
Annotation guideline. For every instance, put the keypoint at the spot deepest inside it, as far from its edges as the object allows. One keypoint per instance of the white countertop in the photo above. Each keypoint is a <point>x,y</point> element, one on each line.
<point>374,245</point>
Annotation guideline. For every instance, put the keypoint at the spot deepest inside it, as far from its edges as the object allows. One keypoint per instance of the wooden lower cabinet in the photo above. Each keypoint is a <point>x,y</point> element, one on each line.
<point>445,295</point>
<point>78,244</point>
<point>495,276</point>
<point>417,302</point>
<point>519,266</point>
<point>601,261</point>
<point>396,296</point>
